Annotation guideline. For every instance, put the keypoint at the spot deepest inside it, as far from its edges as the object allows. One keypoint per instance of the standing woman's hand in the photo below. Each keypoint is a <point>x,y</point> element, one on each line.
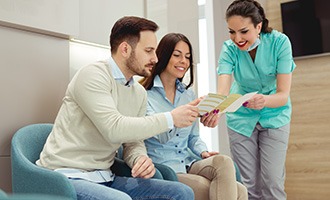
<point>257,102</point>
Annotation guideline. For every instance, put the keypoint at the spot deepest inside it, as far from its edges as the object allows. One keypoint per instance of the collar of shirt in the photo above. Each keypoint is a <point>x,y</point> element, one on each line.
<point>181,87</point>
<point>118,75</point>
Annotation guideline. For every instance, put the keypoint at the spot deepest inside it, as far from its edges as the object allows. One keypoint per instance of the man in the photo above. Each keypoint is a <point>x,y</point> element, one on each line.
<point>103,108</point>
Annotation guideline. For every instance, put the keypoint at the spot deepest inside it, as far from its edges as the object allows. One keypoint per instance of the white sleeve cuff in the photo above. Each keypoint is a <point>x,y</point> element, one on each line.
<point>169,119</point>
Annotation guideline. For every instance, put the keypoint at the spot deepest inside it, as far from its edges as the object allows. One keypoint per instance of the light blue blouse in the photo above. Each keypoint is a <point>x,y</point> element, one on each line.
<point>273,56</point>
<point>171,147</point>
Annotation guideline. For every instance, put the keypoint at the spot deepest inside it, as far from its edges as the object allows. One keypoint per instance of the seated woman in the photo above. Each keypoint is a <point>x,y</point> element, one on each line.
<point>212,177</point>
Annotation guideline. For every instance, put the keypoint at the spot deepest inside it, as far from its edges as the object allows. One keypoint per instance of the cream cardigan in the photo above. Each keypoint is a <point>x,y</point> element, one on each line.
<point>98,114</point>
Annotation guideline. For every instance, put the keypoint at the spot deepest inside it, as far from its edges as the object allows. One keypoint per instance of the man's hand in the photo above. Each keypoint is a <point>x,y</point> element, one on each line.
<point>143,168</point>
<point>185,115</point>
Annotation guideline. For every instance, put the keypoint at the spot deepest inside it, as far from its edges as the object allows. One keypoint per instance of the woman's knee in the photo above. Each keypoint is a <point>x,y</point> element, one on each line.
<point>199,184</point>
<point>224,162</point>
<point>242,193</point>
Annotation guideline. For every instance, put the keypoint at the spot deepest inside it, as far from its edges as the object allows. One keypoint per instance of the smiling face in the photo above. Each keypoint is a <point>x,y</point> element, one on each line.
<point>242,31</point>
<point>179,62</point>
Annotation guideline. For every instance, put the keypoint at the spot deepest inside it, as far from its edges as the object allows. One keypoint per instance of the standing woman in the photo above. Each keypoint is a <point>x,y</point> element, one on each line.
<point>259,59</point>
<point>212,177</point>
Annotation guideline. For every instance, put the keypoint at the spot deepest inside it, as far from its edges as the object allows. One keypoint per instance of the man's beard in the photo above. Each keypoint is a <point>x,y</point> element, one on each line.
<point>134,66</point>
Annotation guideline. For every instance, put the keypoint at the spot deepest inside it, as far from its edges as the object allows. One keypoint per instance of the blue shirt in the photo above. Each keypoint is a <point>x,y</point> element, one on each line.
<point>273,56</point>
<point>171,147</point>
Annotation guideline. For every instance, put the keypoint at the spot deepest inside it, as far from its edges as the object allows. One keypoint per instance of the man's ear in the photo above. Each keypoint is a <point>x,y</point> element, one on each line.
<point>125,49</point>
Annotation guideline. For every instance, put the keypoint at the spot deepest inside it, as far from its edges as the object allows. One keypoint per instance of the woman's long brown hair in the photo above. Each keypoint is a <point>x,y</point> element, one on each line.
<point>164,52</point>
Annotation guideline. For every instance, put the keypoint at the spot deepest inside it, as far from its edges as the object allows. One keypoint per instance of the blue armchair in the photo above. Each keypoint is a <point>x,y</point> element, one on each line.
<point>27,177</point>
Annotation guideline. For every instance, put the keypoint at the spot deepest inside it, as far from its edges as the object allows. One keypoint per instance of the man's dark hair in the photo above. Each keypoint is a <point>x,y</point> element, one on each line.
<point>128,29</point>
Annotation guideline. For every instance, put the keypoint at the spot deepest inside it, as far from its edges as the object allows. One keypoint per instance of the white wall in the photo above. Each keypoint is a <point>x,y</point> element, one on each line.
<point>166,13</point>
<point>176,16</point>
<point>98,16</point>
<point>34,73</point>
<point>56,17</point>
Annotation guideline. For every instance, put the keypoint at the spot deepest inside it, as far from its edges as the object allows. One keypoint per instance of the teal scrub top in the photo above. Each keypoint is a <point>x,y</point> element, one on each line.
<point>273,56</point>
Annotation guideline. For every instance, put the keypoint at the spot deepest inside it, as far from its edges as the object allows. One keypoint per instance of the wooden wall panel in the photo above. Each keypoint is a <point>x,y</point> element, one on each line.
<point>308,158</point>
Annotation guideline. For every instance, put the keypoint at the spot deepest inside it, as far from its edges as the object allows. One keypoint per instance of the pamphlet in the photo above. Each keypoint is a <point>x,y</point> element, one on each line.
<point>224,103</point>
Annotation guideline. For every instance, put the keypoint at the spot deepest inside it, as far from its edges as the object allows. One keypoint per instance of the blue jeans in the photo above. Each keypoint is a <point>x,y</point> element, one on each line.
<point>125,188</point>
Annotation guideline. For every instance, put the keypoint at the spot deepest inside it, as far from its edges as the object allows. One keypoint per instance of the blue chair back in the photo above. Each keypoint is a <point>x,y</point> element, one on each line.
<point>27,177</point>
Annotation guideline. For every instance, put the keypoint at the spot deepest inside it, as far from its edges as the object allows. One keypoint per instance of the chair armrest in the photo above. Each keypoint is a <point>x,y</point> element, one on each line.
<point>120,168</point>
<point>47,182</point>
<point>166,172</point>
<point>33,197</point>
<point>2,194</point>
<point>30,178</point>
<point>238,173</point>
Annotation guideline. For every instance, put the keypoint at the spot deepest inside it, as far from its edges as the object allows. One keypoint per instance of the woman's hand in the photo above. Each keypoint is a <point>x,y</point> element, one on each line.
<point>210,119</point>
<point>257,102</point>
<point>206,154</point>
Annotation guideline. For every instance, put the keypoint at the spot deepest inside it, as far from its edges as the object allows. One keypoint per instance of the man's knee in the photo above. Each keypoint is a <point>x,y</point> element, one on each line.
<point>188,192</point>
<point>184,192</point>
